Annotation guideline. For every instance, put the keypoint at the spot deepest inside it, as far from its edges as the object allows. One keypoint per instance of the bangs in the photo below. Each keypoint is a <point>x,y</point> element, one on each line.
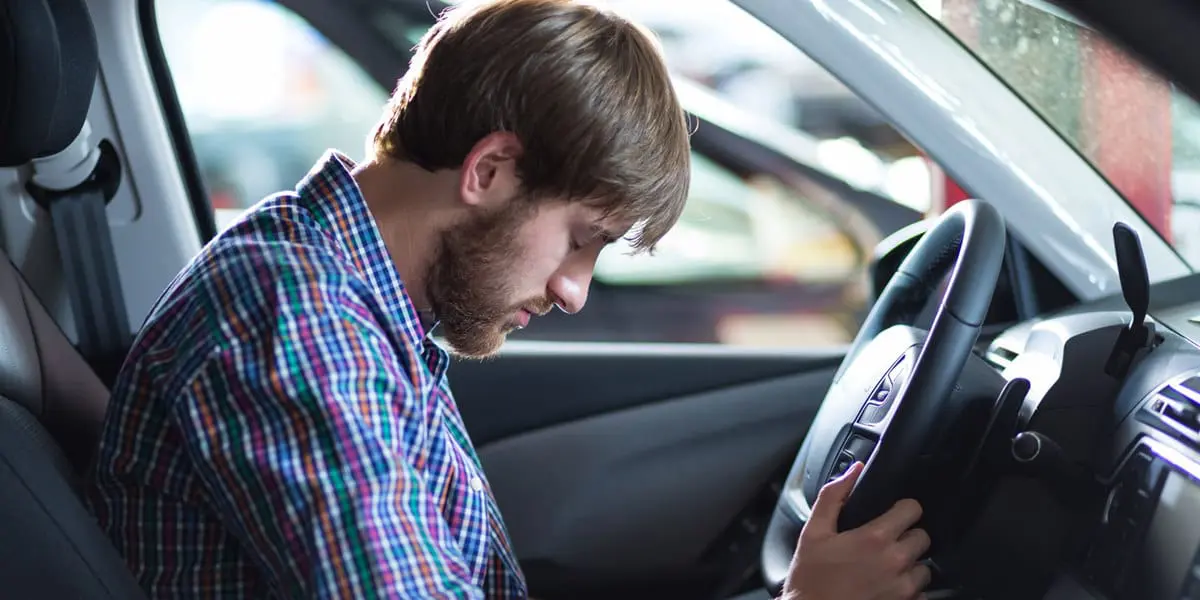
<point>652,214</point>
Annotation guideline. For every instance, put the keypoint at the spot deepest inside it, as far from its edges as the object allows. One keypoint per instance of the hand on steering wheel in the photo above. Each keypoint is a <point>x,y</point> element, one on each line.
<point>896,390</point>
<point>897,403</point>
<point>877,561</point>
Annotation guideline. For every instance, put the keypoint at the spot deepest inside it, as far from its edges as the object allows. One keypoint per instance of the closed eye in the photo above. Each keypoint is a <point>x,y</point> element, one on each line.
<point>607,236</point>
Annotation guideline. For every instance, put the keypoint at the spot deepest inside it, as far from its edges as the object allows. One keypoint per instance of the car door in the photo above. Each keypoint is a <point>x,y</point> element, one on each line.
<point>633,448</point>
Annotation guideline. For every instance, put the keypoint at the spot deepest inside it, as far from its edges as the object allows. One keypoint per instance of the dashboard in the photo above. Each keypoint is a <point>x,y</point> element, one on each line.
<point>1065,464</point>
<point>1136,533</point>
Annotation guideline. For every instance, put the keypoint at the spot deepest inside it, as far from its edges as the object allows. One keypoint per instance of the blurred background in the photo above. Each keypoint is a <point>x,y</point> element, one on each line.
<point>795,179</point>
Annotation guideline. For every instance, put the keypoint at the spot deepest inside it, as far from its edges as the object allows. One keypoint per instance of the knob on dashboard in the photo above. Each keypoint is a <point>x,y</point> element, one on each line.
<point>1027,446</point>
<point>1041,457</point>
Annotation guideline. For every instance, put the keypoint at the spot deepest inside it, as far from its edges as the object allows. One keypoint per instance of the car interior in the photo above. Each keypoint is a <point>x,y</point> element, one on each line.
<point>1052,433</point>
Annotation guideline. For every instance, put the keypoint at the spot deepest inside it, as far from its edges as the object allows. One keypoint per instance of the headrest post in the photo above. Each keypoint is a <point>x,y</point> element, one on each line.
<point>69,168</point>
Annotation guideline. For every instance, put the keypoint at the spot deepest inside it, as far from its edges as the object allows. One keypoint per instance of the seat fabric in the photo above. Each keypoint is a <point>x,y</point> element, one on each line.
<point>51,403</point>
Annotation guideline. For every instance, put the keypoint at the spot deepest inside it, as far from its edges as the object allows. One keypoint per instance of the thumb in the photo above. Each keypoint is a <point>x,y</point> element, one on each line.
<point>830,500</point>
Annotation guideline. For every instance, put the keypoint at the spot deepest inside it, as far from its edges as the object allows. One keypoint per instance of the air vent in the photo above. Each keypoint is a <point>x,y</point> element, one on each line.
<point>1177,405</point>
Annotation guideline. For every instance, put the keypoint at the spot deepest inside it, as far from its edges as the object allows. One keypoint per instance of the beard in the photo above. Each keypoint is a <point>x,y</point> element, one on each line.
<point>470,280</point>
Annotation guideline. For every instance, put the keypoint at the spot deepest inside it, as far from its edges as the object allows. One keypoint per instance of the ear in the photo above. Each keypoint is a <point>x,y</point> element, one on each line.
<point>489,173</point>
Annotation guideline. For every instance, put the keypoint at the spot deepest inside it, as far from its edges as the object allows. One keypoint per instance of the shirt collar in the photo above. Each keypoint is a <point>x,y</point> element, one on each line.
<point>331,194</point>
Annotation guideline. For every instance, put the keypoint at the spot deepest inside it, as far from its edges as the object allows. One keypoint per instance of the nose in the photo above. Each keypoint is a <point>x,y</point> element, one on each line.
<point>569,289</point>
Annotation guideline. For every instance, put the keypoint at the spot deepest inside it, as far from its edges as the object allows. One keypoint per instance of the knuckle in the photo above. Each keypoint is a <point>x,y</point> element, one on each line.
<point>923,540</point>
<point>896,560</point>
<point>876,537</point>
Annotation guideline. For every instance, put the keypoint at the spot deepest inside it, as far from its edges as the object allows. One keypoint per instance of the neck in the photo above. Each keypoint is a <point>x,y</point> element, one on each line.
<point>402,200</point>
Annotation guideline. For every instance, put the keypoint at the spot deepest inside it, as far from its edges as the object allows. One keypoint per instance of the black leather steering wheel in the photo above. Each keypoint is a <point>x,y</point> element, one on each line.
<point>888,404</point>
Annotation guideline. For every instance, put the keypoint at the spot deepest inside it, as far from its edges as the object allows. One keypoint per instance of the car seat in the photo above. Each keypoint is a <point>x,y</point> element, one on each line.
<point>51,403</point>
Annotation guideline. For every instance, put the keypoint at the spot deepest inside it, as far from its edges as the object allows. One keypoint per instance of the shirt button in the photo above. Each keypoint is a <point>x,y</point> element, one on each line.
<point>476,484</point>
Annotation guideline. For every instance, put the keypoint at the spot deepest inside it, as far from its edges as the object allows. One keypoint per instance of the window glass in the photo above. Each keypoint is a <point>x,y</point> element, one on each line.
<point>1135,127</point>
<point>263,95</point>
<point>763,254</point>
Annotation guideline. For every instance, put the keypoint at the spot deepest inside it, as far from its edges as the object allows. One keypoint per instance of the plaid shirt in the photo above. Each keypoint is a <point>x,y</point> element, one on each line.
<point>283,427</point>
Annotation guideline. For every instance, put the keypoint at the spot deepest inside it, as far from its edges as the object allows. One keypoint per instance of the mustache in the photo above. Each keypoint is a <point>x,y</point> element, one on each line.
<point>538,307</point>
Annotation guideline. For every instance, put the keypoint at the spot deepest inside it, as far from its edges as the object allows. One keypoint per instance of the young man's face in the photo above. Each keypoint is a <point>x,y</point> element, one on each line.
<point>496,271</point>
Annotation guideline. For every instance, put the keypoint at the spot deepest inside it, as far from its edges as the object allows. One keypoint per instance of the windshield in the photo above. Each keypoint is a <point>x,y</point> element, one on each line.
<point>1133,126</point>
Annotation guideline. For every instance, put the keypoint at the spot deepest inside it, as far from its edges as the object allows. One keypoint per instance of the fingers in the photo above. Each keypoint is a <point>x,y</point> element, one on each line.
<point>913,544</point>
<point>828,506</point>
<point>902,516</point>
<point>914,582</point>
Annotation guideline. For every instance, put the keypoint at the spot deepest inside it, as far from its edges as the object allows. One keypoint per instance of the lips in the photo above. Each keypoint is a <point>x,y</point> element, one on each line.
<point>526,313</point>
<point>522,318</point>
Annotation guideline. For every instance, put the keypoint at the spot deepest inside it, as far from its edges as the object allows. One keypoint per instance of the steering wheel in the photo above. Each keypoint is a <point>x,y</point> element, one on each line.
<point>890,396</point>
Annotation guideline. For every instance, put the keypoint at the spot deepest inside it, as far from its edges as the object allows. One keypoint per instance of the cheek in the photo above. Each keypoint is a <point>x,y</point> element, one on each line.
<point>540,251</point>
<point>534,269</point>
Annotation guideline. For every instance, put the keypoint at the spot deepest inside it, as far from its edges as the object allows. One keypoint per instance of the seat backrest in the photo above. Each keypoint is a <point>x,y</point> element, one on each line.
<point>51,403</point>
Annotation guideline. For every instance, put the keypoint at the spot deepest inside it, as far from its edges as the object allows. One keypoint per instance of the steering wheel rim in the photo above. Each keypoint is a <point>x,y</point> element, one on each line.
<point>965,248</point>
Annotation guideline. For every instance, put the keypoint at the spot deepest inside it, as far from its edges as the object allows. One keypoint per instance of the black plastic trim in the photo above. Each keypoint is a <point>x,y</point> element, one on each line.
<point>515,394</point>
<point>347,26</point>
<point>181,141</point>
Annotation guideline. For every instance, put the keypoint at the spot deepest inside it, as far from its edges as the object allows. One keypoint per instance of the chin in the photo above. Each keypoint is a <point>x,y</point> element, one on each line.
<point>477,344</point>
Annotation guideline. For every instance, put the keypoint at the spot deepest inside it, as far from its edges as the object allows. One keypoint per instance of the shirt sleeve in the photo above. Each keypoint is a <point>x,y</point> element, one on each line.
<point>309,437</point>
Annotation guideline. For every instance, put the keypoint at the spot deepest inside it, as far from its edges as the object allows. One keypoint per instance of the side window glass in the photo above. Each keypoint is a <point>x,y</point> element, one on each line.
<point>763,254</point>
<point>263,95</point>
<point>740,229</point>
<point>795,179</point>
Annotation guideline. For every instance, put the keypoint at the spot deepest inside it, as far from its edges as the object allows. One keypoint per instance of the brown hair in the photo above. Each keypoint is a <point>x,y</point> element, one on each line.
<point>585,91</point>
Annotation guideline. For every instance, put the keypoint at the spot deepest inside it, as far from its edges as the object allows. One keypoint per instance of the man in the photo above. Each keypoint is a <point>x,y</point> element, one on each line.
<point>283,426</point>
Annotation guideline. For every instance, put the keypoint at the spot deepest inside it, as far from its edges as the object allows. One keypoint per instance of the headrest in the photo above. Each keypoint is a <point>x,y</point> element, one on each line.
<point>48,68</point>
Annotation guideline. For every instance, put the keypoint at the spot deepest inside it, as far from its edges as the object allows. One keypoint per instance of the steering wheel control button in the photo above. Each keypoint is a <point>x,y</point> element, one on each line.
<point>856,449</point>
<point>843,463</point>
<point>874,414</point>
<point>882,392</point>
<point>859,447</point>
<point>880,402</point>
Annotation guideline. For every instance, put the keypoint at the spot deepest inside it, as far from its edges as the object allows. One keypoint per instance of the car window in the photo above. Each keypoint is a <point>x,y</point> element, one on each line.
<point>755,259</point>
<point>1135,127</point>
<point>263,95</point>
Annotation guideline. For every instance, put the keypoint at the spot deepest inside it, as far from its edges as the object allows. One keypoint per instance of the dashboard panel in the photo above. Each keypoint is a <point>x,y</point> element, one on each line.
<point>1145,543</point>
<point>1142,539</point>
<point>1115,514</point>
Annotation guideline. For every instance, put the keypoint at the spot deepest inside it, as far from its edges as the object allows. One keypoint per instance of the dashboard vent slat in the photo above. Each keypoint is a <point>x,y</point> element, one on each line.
<point>1177,407</point>
<point>1192,384</point>
<point>1175,394</point>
